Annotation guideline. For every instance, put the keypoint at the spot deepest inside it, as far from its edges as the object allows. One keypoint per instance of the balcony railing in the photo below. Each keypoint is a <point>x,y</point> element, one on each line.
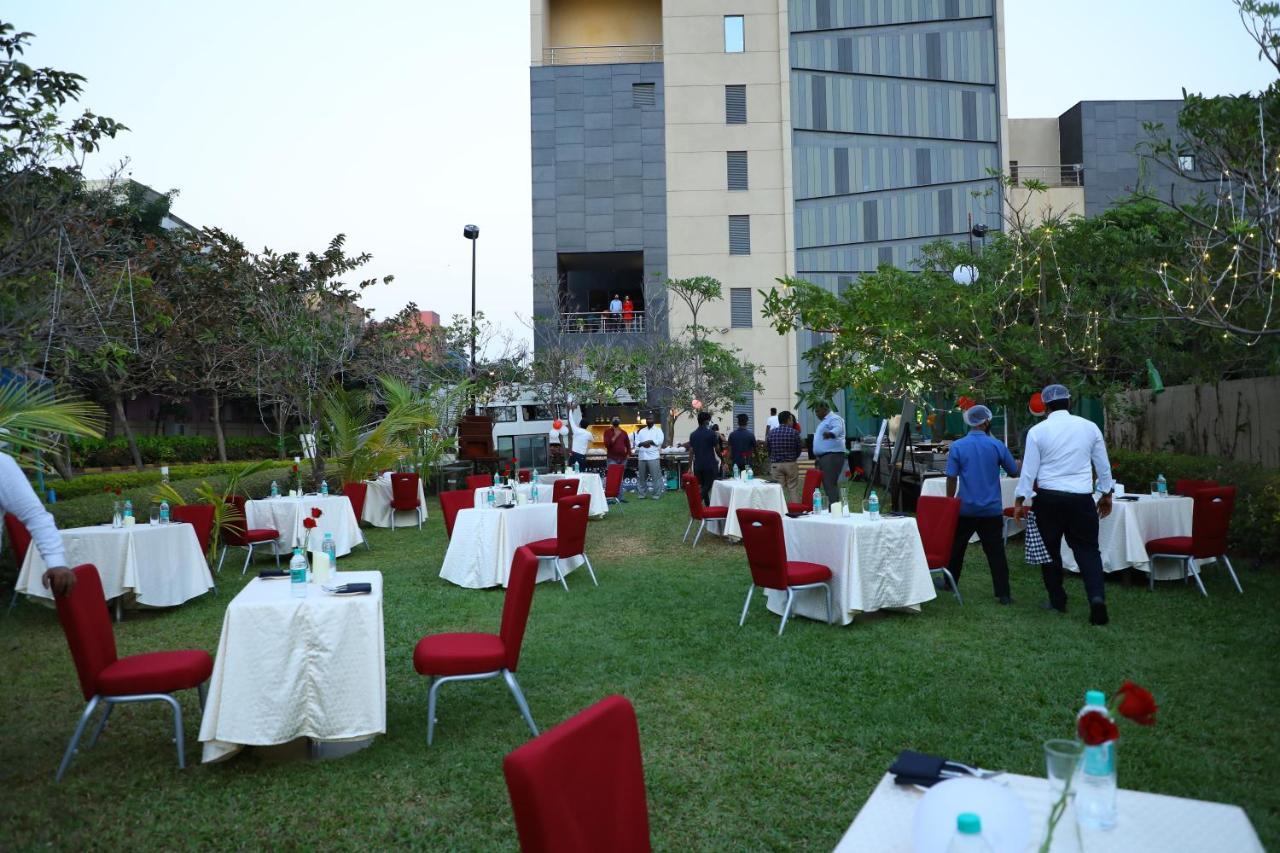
<point>1062,175</point>
<point>601,322</point>
<point>601,54</point>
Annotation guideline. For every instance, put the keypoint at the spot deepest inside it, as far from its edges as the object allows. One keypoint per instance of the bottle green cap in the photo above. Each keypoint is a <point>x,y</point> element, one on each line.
<point>968,823</point>
<point>1095,697</point>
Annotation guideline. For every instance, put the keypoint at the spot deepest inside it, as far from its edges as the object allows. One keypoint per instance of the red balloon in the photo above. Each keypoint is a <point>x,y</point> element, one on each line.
<point>697,404</point>
<point>557,423</point>
<point>1036,404</point>
<point>965,403</point>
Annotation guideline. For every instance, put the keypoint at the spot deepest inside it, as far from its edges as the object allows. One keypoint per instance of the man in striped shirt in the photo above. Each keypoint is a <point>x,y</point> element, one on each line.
<point>784,450</point>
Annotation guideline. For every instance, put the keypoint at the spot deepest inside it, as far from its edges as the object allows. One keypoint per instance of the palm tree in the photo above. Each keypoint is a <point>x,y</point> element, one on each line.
<point>35,417</point>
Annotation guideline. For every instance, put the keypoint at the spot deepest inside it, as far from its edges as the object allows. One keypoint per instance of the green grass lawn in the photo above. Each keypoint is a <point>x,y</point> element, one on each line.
<point>750,741</point>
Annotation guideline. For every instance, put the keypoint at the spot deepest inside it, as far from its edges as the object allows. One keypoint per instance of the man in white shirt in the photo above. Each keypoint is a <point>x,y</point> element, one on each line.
<point>19,499</point>
<point>615,313</point>
<point>1064,454</point>
<point>648,447</point>
<point>772,423</point>
<point>581,442</point>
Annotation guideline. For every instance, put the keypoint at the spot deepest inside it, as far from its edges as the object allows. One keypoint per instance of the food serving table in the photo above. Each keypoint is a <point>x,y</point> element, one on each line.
<point>745,494</point>
<point>485,540</point>
<point>286,515</point>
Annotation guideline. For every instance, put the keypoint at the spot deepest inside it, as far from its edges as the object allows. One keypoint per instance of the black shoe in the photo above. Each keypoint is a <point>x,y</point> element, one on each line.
<point>1005,599</point>
<point>1049,605</point>
<point>1098,612</point>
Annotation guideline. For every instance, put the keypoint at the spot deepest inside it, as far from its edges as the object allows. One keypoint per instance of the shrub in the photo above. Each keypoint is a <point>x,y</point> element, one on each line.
<point>1255,526</point>
<point>90,484</point>
<point>162,449</point>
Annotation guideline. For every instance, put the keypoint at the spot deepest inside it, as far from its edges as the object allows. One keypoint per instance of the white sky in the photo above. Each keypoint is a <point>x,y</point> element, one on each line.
<point>396,123</point>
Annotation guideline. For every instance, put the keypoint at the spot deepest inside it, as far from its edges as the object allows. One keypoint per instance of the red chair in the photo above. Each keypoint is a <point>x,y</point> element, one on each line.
<point>613,475</point>
<point>199,516</point>
<point>937,517</point>
<point>474,657</point>
<point>479,481</point>
<point>105,678</point>
<point>524,475</point>
<point>404,497</point>
<point>812,480</point>
<point>357,493</point>
<point>570,539</point>
<point>579,788</point>
<point>453,502</point>
<point>698,512</point>
<point>1210,521</point>
<point>1188,488</point>
<point>565,488</point>
<point>236,534</point>
<point>1011,526</point>
<point>770,568</point>
<point>20,539</point>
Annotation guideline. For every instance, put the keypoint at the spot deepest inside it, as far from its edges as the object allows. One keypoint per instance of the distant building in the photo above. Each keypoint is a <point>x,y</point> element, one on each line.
<point>122,188</point>
<point>428,318</point>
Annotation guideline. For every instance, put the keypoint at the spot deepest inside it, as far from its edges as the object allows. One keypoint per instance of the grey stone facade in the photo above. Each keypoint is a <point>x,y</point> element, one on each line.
<point>1104,136</point>
<point>599,167</point>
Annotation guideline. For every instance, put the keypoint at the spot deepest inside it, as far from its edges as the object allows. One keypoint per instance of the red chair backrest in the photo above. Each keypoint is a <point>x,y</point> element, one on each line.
<point>199,516</point>
<point>579,787</point>
<point>1188,488</point>
<point>766,547</point>
<point>515,606</point>
<point>563,489</point>
<point>571,525</point>
<point>812,481</point>
<point>936,518</point>
<point>692,492</point>
<point>479,481</point>
<point>233,528</point>
<point>356,493</point>
<point>1210,521</point>
<point>87,625</point>
<point>404,491</point>
<point>524,475</point>
<point>19,537</point>
<point>613,480</point>
<point>451,503</point>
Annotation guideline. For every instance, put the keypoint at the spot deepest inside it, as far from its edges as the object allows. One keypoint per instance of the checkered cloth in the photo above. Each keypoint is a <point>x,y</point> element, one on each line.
<point>1036,553</point>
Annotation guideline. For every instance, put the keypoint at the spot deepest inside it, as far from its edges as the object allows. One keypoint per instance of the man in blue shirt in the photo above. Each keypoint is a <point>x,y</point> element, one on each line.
<point>742,444</point>
<point>975,461</point>
<point>829,450</point>
<point>706,463</point>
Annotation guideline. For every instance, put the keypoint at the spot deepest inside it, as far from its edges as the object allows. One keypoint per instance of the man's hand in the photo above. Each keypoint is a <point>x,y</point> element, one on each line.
<point>1019,510</point>
<point>60,579</point>
<point>1104,506</point>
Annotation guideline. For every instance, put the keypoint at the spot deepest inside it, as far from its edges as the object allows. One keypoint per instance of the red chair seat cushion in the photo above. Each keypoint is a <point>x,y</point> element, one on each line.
<point>1008,511</point>
<point>157,672</point>
<point>800,573</point>
<point>404,506</point>
<point>1170,545</point>
<point>459,654</point>
<point>545,547</point>
<point>797,507</point>
<point>715,512</point>
<point>261,534</point>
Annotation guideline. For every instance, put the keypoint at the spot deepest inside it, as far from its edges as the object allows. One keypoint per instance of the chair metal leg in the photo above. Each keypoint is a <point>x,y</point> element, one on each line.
<point>75,738</point>
<point>276,552</point>
<point>431,708</point>
<point>1195,575</point>
<point>221,558</point>
<point>367,546</point>
<point>177,730</point>
<point>687,528</point>
<point>393,527</point>
<point>520,701</point>
<point>827,587</point>
<point>248,555</point>
<point>13,602</point>
<point>1231,570</point>
<point>701,524</point>
<point>590,570</point>
<point>1151,575</point>
<point>202,690</point>
<point>102,724</point>
<point>786,611</point>
<point>751,589</point>
<point>120,607</point>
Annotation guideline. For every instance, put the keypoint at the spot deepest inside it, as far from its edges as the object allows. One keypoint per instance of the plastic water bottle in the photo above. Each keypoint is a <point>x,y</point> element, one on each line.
<point>128,509</point>
<point>735,471</point>
<point>817,501</point>
<point>492,500</point>
<point>1162,486</point>
<point>1096,798</point>
<point>533,490</point>
<point>751,475</point>
<point>324,488</point>
<point>164,512</point>
<point>576,469</point>
<point>968,837</point>
<point>275,489</point>
<point>496,479</point>
<point>533,476</point>
<point>298,574</point>
<point>330,549</point>
<point>873,507</point>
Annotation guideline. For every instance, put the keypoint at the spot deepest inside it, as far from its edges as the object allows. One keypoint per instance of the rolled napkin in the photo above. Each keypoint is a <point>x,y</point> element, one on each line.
<point>350,588</point>
<point>270,574</point>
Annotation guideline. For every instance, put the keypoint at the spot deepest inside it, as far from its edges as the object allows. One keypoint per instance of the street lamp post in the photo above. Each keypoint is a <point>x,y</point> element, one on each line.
<point>472,233</point>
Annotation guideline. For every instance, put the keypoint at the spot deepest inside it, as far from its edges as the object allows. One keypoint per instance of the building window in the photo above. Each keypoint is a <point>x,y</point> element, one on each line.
<point>744,407</point>
<point>1186,163</point>
<point>740,308</point>
<point>643,95</point>
<point>737,165</point>
<point>739,235</point>
<point>735,104</point>
<point>734,35</point>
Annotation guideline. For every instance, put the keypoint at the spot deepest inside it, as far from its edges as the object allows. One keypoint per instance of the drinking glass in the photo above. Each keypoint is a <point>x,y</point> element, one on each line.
<point>117,516</point>
<point>155,514</point>
<point>1063,760</point>
<point>1155,489</point>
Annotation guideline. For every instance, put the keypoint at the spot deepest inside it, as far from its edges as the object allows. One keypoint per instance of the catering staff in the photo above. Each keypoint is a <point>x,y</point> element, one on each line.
<point>828,450</point>
<point>648,447</point>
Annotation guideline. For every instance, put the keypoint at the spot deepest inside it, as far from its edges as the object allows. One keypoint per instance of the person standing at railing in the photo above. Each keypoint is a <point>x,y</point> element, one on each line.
<point>615,313</point>
<point>628,314</point>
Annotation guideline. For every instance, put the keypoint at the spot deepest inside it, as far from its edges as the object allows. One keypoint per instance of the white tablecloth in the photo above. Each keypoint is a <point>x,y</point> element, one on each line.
<point>875,564</point>
<point>504,494</point>
<point>745,494</point>
<point>377,505</point>
<point>297,667</point>
<point>485,540</point>
<point>161,564</point>
<point>1148,823</point>
<point>587,484</point>
<point>286,515</point>
<point>1124,534</point>
<point>937,487</point>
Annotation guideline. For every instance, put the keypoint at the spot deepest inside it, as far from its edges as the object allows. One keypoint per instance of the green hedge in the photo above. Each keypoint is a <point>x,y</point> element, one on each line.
<point>160,449</point>
<point>1255,527</point>
<point>91,484</point>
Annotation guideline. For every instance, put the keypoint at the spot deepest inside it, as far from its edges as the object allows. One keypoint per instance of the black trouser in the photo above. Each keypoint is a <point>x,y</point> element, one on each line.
<point>831,464</point>
<point>1075,516</point>
<point>577,459</point>
<point>706,479</point>
<point>990,530</point>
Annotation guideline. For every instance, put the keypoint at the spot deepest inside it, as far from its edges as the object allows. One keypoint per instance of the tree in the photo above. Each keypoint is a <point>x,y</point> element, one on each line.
<point>34,418</point>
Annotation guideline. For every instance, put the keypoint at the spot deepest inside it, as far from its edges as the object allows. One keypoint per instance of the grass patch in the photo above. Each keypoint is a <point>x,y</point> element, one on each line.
<point>751,741</point>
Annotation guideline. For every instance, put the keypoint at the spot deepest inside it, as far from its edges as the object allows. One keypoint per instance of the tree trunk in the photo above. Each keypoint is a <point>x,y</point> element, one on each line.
<point>217,426</point>
<point>279,413</point>
<point>128,432</point>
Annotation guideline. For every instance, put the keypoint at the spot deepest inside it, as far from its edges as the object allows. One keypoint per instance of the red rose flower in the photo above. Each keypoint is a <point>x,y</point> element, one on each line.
<point>309,523</point>
<point>295,469</point>
<point>1096,728</point>
<point>315,512</point>
<point>1137,704</point>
